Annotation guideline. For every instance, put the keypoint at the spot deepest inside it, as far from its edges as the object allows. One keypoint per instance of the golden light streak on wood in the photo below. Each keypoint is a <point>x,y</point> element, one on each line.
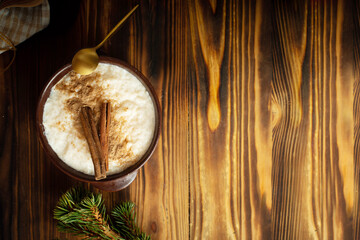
<point>356,113</point>
<point>263,114</point>
<point>344,116</point>
<point>212,46</point>
<point>213,109</point>
<point>213,5</point>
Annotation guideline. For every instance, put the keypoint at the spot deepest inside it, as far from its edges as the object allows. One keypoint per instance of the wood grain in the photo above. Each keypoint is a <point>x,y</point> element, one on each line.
<point>260,106</point>
<point>228,190</point>
<point>356,110</point>
<point>6,126</point>
<point>156,47</point>
<point>289,132</point>
<point>313,173</point>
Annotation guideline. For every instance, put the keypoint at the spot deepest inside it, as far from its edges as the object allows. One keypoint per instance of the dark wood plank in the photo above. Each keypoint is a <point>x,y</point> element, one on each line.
<point>289,132</point>
<point>6,166</point>
<point>156,46</point>
<point>313,181</point>
<point>356,34</point>
<point>230,122</point>
<point>31,184</point>
<point>34,184</point>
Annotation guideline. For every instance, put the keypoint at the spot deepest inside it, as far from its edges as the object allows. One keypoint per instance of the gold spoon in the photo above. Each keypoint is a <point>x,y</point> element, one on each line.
<point>86,60</point>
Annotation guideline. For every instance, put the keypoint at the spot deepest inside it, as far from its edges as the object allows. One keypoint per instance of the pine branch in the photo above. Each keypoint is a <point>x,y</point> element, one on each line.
<point>125,222</point>
<point>83,213</point>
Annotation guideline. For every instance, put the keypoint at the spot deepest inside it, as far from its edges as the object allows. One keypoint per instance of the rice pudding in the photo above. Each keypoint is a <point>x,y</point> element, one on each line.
<point>132,117</point>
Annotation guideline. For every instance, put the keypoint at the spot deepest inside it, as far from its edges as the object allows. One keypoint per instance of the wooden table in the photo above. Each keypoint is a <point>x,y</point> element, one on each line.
<point>260,107</point>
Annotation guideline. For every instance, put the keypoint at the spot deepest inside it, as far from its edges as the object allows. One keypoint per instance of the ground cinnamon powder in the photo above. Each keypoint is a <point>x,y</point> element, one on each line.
<point>87,91</point>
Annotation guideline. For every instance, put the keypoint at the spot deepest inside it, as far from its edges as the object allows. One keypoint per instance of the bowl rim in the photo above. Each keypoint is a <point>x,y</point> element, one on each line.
<point>57,76</point>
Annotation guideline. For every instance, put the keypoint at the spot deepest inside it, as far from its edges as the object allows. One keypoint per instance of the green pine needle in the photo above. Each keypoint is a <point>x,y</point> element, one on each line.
<point>83,213</point>
<point>125,222</point>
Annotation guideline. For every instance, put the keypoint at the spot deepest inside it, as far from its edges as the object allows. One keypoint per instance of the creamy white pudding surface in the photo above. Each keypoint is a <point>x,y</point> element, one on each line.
<point>132,117</point>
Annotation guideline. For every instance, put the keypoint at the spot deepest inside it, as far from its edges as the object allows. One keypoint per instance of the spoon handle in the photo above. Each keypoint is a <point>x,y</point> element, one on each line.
<point>116,27</point>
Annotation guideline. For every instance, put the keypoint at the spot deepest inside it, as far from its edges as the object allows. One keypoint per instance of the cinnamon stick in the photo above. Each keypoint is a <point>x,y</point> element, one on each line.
<point>88,124</point>
<point>104,131</point>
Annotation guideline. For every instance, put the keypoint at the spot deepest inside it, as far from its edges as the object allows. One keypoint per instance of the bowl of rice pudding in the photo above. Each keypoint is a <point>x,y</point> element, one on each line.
<point>102,127</point>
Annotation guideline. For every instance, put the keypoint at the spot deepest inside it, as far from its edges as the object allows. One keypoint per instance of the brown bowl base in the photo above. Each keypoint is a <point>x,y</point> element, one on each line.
<point>116,184</point>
